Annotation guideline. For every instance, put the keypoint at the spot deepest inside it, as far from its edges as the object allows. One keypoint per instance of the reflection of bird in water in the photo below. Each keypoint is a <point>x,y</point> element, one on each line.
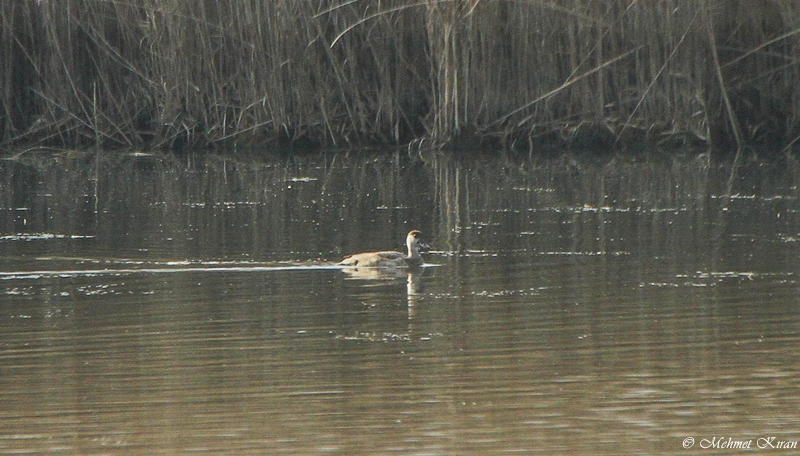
<point>414,288</point>
<point>414,283</point>
<point>390,259</point>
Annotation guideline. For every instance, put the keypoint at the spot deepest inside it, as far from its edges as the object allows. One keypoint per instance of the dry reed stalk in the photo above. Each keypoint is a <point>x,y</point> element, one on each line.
<point>182,73</point>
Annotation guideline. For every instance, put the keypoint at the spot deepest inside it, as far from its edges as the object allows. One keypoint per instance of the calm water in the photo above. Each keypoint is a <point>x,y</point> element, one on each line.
<point>162,305</point>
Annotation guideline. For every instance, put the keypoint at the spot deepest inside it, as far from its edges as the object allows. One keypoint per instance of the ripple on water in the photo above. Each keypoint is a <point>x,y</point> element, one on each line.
<point>42,237</point>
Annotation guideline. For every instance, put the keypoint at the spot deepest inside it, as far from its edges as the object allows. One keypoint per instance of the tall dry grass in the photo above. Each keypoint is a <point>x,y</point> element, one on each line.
<point>523,73</point>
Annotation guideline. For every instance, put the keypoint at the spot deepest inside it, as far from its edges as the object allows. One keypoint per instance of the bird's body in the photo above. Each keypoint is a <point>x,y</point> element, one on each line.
<point>391,259</point>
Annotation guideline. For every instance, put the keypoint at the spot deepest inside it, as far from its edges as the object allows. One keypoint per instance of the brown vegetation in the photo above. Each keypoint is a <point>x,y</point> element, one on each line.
<point>523,73</point>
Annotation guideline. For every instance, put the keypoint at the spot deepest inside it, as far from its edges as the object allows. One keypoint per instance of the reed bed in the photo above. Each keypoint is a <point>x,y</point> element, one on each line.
<point>509,73</point>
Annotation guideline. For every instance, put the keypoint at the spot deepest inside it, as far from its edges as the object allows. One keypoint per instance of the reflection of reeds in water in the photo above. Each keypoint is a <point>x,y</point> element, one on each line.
<point>211,206</point>
<point>475,198</point>
<point>189,72</point>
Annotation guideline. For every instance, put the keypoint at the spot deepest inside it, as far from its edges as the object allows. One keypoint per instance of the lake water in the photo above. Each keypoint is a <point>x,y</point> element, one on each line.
<point>160,304</point>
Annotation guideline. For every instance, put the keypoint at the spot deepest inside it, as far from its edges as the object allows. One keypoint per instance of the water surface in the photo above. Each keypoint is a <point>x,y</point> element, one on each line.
<point>156,304</point>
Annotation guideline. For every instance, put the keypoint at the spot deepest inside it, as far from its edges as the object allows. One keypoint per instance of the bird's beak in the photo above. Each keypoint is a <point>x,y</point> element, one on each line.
<point>423,246</point>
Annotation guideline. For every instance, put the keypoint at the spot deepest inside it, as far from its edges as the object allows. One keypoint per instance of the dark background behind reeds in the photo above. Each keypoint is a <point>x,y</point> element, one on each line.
<point>524,73</point>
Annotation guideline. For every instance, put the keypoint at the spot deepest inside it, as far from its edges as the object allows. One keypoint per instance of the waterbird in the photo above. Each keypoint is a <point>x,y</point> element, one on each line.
<point>390,259</point>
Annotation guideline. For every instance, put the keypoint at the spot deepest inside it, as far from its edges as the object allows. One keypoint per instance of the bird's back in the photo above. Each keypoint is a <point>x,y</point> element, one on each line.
<point>376,260</point>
